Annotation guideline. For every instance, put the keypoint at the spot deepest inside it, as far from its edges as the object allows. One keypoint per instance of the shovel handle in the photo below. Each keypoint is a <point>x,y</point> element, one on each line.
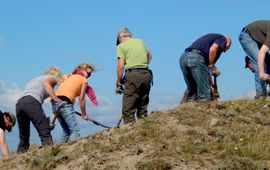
<point>94,121</point>
<point>119,121</point>
<point>55,116</point>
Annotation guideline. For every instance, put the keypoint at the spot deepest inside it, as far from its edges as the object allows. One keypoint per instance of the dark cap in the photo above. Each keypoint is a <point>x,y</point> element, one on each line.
<point>12,119</point>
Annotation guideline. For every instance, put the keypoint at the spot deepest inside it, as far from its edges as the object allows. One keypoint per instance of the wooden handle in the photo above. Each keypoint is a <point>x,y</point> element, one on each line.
<point>55,116</point>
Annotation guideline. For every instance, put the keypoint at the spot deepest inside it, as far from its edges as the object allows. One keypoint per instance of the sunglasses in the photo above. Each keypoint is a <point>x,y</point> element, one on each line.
<point>88,74</point>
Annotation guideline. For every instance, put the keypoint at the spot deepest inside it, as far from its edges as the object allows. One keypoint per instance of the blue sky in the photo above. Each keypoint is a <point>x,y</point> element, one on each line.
<point>35,35</point>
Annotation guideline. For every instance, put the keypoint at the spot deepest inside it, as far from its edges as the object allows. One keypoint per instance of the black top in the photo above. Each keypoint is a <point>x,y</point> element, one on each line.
<point>2,122</point>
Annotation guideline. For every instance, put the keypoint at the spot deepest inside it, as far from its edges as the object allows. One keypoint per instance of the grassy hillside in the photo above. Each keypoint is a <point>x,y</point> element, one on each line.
<point>226,135</point>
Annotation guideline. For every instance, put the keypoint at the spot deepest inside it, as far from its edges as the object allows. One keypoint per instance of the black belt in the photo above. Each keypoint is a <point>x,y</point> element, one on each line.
<point>245,30</point>
<point>136,69</point>
<point>194,51</point>
<point>64,98</point>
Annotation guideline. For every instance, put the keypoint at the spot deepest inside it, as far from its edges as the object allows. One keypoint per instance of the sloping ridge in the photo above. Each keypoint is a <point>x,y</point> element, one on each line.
<point>224,135</point>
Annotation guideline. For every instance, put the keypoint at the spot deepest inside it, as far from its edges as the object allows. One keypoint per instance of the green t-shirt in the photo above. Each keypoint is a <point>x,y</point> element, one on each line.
<point>260,31</point>
<point>134,52</point>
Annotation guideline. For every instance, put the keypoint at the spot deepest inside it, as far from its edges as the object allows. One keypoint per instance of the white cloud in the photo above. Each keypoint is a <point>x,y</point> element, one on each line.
<point>9,96</point>
<point>163,100</point>
<point>244,95</point>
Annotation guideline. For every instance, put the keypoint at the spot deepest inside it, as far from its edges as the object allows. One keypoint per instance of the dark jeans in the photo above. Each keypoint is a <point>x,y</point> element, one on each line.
<point>136,94</point>
<point>29,109</point>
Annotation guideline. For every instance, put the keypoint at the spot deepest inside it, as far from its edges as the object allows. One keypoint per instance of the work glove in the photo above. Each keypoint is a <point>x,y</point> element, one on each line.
<point>214,70</point>
<point>119,88</point>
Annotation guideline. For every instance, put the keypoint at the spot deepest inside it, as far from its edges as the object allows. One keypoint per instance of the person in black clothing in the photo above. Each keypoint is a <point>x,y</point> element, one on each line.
<point>7,121</point>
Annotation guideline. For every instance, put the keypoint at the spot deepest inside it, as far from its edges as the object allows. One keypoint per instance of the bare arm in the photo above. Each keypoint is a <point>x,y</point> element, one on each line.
<point>149,57</point>
<point>49,85</point>
<point>120,69</point>
<point>82,101</point>
<point>213,54</point>
<point>3,143</point>
<point>261,56</point>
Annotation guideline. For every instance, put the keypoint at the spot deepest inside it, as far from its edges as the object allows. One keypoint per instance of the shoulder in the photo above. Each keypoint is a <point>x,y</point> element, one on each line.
<point>259,22</point>
<point>78,78</point>
<point>132,41</point>
<point>220,38</point>
<point>137,40</point>
<point>50,78</point>
<point>43,78</point>
<point>214,36</point>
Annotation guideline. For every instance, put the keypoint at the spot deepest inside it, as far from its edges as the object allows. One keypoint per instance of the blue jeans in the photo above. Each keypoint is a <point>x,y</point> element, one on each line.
<point>251,48</point>
<point>196,75</point>
<point>68,122</point>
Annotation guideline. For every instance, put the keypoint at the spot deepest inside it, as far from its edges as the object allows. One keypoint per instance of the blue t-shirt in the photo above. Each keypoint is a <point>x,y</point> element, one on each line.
<point>204,43</point>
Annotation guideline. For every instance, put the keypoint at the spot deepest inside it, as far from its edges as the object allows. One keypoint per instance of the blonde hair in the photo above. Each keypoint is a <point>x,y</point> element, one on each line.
<point>84,67</point>
<point>55,72</point>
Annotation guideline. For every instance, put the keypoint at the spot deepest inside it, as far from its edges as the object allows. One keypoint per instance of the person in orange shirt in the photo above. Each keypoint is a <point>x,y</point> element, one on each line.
<point>75,85</point>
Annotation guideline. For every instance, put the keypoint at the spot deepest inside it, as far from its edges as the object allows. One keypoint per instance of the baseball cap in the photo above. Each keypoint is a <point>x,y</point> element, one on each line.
<point>13,118</point>
<point>122,32</point>
<point>247,59</point>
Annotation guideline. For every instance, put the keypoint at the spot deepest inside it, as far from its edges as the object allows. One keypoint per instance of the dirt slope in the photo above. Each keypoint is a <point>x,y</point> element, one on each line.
<point>226,135</point>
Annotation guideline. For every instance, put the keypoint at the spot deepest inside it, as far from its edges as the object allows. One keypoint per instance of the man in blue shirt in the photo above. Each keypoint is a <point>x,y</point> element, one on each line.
<point>198,62</point>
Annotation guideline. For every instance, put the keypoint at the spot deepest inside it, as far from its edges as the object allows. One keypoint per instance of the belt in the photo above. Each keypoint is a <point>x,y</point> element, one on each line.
<point>194,51</point>
<point>245,30</point>
<point>136,70</point>
<point>64,98</point>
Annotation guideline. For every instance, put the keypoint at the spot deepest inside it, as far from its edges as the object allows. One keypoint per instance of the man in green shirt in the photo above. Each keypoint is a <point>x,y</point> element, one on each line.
<point>133,57</point>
